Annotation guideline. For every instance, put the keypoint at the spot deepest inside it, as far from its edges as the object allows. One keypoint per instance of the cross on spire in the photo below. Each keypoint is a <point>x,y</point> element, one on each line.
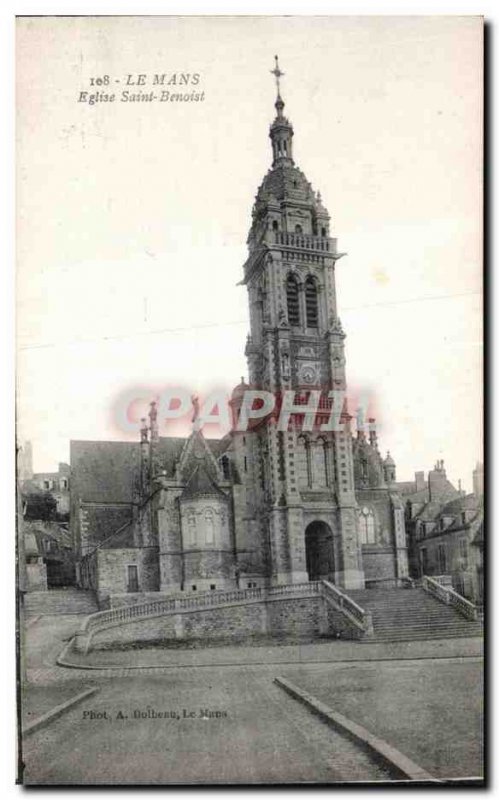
<point>278,74</point>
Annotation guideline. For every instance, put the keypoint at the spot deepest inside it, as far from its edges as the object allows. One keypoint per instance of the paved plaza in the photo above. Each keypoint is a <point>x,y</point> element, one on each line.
<point>207,722</point>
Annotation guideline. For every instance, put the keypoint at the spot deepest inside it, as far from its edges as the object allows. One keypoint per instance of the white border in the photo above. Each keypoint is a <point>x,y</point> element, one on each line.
<point>8,10</point>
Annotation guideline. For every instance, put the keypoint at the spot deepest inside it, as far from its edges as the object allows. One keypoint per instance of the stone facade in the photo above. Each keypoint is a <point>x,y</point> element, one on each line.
<point>445,533</point>
<point>263,506</point>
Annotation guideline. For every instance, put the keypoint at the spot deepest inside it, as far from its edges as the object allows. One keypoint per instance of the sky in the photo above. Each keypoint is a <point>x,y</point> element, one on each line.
<point>132,217</point>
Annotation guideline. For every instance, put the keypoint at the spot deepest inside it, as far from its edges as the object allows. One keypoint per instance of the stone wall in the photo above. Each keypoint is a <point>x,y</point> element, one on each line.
<point>36,576</point>
<point>304,616</point>
<point>342,627</point>
<point>379,566</point>
<point>112,572</point>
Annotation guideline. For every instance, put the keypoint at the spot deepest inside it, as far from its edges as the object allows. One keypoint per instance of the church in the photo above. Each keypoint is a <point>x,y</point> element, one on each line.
<point>261,507</point>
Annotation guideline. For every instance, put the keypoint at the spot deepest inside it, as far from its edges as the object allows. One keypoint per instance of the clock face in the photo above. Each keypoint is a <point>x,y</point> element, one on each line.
<point>308,374</point>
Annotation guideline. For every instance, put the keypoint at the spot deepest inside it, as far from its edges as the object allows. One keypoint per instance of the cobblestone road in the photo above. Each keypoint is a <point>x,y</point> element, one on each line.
<point>265,737</point>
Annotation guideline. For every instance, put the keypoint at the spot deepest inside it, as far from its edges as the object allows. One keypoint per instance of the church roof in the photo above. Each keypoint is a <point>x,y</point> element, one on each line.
<point>285,181</point>
<point>201,484</point>
<point>105,472</point>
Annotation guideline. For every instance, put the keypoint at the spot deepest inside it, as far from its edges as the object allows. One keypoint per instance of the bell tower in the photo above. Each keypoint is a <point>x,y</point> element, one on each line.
<point>296,342</point>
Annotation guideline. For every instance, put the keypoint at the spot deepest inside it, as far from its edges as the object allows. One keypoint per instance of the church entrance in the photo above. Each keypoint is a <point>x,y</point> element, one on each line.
<point>319,551</point>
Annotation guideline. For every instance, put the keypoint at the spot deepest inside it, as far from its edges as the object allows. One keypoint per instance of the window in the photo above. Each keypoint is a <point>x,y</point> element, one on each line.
<point>133,578</point>
<point>245,464</point>
<point>194,587</point>
<point>293,300</point>
<point>298,229</point>
<point>191,530</point>
<point>212,587</point>
<point>463,553</point>
<point>209,526</point>
<point>303,465</point>
<point>311,304</point>
<point>442,558</point>
<point>367,527</point>
<point>225,464</point>
<point>319,462</point>
<point>46,484</point>
<point>64,483</point>
<point>275,225</point>
<point>323,232</point>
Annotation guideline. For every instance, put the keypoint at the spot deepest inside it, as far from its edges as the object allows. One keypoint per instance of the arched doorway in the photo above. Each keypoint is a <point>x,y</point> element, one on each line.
<point>319,551</point>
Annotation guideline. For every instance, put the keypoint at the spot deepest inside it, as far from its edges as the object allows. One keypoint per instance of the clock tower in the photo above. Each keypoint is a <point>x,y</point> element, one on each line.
<point>307,506</point>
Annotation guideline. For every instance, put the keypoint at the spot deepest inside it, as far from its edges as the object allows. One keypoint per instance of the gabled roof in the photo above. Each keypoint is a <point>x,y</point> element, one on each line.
<point>202,484</point>
<point>468,502</point>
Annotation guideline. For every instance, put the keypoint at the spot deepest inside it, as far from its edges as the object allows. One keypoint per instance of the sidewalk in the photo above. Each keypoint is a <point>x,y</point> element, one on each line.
<point>156,657</point>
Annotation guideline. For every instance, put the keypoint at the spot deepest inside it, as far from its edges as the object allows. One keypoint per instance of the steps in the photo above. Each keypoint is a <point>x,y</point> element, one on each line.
<point>401,615</point>
<point>60,601</point>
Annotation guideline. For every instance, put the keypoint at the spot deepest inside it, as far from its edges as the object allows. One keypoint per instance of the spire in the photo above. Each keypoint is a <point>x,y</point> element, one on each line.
<point>281,131</point>
<point>279,103</point>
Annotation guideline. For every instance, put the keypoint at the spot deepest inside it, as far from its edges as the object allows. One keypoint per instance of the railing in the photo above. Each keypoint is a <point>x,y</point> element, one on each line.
<point>170,605</point>
<point>345,603</point>
<point>206,600</point>
<point>300,240</point>
<point>448,596</point>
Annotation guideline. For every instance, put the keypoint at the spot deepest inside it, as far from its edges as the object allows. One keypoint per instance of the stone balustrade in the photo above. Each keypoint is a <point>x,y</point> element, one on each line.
<point>206,601</point>
<point>450,597</point>
<point>303,241</point>
<point>361,617</point>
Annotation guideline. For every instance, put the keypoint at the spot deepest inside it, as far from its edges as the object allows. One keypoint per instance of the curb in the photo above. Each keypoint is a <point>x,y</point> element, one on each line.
<point>62,661</point>
<point>390,755</point>
<point>51,715</point>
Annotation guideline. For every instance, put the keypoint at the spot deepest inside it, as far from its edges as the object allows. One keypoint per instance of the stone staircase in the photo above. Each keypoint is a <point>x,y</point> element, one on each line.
<point>400,615</point>
<point>60,601</point>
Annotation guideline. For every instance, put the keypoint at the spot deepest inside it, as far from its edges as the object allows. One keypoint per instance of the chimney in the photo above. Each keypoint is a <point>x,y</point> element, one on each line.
<point>420,481</point>
<point>437,481</point>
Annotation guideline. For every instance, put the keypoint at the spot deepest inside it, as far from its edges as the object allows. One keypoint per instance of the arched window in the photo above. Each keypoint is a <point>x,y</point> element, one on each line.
<point>298,229</point>
<point>275,225</point>
<point>303,462</point>
<point>366,527</point>
<point>209,525</point>
<point>191,529</point>
<point>323,232</point>
<point>311,304</point>
<point>293,300</point>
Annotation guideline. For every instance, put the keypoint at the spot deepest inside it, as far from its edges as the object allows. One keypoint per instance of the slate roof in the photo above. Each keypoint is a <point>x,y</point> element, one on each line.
<point>41,529</point>
<point>105,472</point>
<point>201,484</point>
<point>469,502</point>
